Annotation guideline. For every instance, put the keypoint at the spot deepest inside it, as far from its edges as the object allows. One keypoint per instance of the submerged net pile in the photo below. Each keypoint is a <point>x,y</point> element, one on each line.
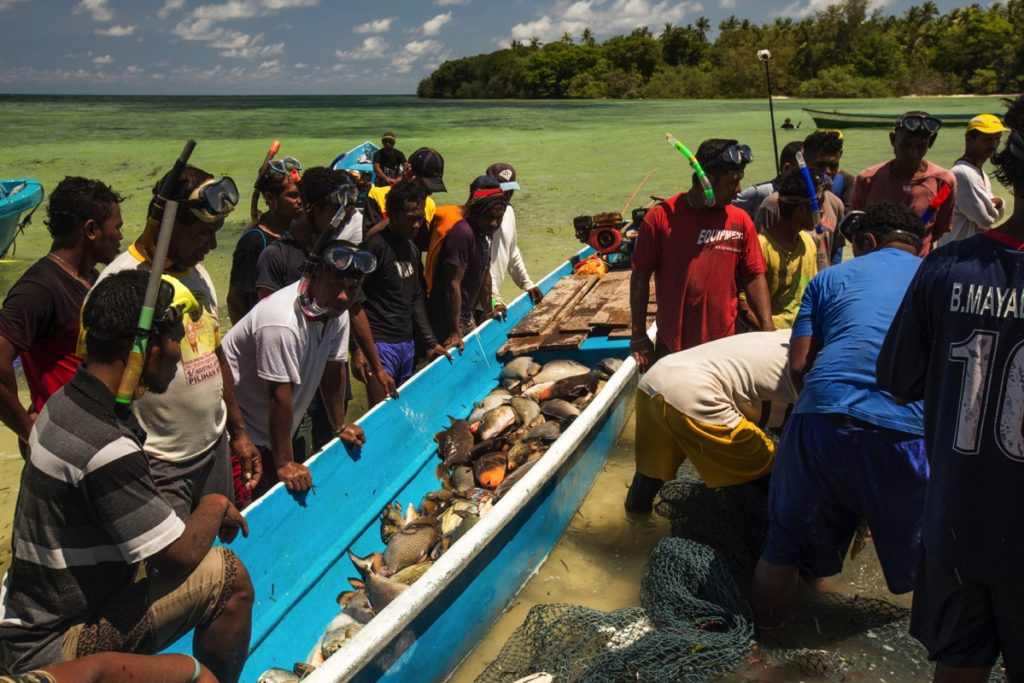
<point>696,625</point>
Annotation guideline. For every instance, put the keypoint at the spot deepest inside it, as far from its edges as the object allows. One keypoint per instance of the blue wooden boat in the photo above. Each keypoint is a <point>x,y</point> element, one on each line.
<point>359,158</point>
<point>296,551</point>
<point>17,195</point>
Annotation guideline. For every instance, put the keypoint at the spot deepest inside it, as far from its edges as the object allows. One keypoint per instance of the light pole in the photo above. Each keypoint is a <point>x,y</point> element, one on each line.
<point>764,56</point>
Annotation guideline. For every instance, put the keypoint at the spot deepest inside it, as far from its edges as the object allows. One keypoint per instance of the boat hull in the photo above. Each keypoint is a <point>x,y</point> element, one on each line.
<point>296,551</point>
<point>359,158</point>
<point>12,206</point>
<point>835,119</point>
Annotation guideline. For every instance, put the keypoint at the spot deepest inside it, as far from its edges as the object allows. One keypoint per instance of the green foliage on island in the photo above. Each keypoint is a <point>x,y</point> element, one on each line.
<point>841,51</point>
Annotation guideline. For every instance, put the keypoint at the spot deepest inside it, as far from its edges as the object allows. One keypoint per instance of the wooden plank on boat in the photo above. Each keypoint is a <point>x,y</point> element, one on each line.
<point>517,346</point>
<point>599,295</point>
<point>626,332</point>
<point>616,308</point>
<point>568,290</point>
<point>560,340</point>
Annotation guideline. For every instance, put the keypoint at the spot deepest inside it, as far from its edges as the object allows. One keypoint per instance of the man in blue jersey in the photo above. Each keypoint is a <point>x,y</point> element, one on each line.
<point>849,452</point>
<point>956,343</point>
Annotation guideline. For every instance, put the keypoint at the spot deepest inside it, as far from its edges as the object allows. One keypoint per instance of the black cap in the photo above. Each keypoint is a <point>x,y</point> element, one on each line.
<point>428,165</point>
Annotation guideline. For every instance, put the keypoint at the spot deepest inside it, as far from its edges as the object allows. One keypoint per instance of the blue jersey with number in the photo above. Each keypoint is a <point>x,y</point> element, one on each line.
<point>958,343</point>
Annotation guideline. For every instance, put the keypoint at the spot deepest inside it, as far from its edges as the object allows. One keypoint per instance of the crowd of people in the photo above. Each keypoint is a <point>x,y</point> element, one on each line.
<point>875,369</point>
<point>894,376</point>
<point>113,535</point>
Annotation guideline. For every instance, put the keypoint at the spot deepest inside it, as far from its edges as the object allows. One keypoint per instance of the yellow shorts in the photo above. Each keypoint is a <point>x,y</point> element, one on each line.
<point>723,456</point>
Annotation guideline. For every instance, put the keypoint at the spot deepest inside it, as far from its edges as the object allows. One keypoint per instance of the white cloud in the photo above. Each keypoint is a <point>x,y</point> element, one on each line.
<point>376,26</point>
<point>299,65</point>
<point>272,66</point>
<point>97,9</point>
<point>248,9</point>
<point>727,4</point>
<point>134,70</point>
<point>117,31</point>
<point>8,4</point>
<point>799,10</point>
<point>433,26</point>
<point>372,47</point>
<point>170,6</point>
<point>450,3</point>
<point>103,59</point>
<point>421,53</point>
<point>602,17</point>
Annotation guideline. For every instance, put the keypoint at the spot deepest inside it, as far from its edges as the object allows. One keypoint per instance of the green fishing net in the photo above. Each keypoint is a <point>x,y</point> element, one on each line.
<point>695,623</point>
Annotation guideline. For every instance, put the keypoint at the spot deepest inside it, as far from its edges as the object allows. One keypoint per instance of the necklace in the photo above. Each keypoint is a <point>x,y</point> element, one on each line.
<point>69,269</point>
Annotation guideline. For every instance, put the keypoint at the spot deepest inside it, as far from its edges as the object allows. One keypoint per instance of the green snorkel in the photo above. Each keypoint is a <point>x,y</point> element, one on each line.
<point>709,192</point>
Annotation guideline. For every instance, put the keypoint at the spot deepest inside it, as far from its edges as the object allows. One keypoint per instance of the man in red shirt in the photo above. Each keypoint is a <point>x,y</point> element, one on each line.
<point>40,316</point>
<point>908,178</point>
<point>700,257</point>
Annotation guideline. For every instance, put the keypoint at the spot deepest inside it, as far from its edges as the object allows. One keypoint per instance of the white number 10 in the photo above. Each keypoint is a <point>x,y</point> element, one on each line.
<point>975,355</point>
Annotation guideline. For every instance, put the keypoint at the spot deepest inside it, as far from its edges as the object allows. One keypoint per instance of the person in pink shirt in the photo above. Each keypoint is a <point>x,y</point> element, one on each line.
<point>909,179</point>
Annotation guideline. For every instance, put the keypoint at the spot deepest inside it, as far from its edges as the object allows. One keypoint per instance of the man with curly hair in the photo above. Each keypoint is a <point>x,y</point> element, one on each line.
<point>955,343</point>
<point>849,451</point>
<point>90,515</point>
<point>39,318</point>
<point>823,149</point>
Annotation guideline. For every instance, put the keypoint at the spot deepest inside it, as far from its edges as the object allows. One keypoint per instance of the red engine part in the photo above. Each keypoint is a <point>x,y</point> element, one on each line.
<point>605,240</point>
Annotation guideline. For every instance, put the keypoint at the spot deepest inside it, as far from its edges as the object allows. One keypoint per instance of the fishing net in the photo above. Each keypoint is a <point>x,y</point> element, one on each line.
<point>696,625</point>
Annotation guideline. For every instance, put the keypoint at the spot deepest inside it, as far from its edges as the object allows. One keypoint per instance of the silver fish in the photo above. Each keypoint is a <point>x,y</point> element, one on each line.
<point>333,640</point>
<point>559,369</point>
<point>549,431</point>
<point>355,603</point>
<point>379,589</point>
<point>495,422</point>
<point>276,675</point>
<point>411,545</point>
<point>526,409</point>
<point>521,368</point>
<point>489,403</point>
<point>559,409</point>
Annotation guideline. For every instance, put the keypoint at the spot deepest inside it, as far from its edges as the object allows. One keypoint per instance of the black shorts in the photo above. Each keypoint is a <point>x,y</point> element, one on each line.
<point>967,623</point>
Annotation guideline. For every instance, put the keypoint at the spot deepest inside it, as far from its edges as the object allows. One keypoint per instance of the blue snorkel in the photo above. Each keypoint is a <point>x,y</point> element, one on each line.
<point>812,192</point>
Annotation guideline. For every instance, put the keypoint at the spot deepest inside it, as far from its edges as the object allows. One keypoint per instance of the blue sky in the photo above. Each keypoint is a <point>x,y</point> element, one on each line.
<point>305,46</point>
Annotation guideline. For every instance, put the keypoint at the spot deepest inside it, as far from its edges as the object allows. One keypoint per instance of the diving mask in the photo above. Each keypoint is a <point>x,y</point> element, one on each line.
<point>213,199</point>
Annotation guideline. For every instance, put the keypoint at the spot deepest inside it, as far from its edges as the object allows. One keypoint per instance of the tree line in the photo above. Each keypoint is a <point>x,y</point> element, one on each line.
<point>841,51</point>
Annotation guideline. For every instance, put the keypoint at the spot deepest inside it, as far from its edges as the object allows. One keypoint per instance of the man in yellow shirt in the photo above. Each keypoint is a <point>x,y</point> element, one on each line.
<point>788,248</point>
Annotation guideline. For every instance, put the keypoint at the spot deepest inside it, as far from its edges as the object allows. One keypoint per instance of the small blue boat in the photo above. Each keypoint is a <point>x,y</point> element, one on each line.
<point>296,551</point>
<point>17,195</point>
<point>359,158</point>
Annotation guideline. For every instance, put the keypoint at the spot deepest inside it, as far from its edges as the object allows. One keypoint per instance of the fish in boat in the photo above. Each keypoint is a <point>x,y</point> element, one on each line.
<point>559,409</point>
<point>409,575</point>
<point>277,675</point>
<point>355,603</point>
<point>521,369</point>
<point>498,443</point>
<point>380,590</point>
<point>490,469</point>
<point>522,452</point>
<point>560,369</point>
<point>411,545</point>
<point>455,443</point>
<point>496,422</point>
<point>434,502</point>
<point>549,431</point>
<point>525,408</point>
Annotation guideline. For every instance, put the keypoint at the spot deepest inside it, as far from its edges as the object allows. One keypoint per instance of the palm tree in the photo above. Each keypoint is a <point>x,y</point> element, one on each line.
<point>703,26</point>
<point>587,37</point>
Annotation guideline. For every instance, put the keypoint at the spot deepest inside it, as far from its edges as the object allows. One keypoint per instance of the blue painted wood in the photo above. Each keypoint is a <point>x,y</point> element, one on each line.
<point>296,551</point>
<point>13,204</point>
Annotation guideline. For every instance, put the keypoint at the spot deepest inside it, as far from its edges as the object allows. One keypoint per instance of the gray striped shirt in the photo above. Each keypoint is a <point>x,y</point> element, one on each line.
<point>87,513</point>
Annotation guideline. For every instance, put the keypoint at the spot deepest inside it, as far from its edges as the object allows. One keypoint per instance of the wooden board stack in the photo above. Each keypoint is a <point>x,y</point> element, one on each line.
<point>576,308</point>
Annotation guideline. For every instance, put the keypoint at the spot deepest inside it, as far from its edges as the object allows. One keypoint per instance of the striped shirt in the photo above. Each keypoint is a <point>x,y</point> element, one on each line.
<point>88,511</point>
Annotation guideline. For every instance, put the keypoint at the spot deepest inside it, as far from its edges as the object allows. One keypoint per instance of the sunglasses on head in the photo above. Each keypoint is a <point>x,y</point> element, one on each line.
<point>213,200</point>
<point>344,195</point>
<point>915,122</point>
<point>343,259</point>
<point>284,166</point>
<point>738,155</point>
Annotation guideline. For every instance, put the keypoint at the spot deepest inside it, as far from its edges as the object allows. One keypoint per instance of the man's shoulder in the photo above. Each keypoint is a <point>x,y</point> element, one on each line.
<point>126,260</point>
<point>41,278</point>
<point>933,170</point>
<point>872,171</point>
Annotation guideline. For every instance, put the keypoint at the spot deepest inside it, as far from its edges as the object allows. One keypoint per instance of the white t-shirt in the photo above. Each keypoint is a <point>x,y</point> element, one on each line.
<point>352,230</point>
<point>506,257</point>
<point>974,212</point>
<point>186,420</point>
<point>275,342</point>
<point>722,381</point>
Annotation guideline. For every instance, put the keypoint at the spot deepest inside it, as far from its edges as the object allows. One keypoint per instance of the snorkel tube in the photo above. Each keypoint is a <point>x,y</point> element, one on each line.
<point>811,192</point>
<point>254,207</point>
<point>162,213</point>
<point>709,192</point>
<point>940,197</point>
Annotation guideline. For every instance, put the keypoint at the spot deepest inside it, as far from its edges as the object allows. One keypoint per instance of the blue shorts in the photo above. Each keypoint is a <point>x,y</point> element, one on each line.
<point>830,473</point>
<point>398,359</point>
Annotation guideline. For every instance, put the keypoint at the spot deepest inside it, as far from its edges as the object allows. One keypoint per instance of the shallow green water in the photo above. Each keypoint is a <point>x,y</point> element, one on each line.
<point>572,157</point>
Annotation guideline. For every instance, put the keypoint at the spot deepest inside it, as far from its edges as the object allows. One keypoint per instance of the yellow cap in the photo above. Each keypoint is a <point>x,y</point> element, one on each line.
<point>987,124</point>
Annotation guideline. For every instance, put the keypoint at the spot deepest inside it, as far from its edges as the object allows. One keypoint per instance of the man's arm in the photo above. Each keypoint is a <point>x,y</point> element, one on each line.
<point>902,365</point>
<point>12,413</point>
<point>759,301</point>
<point>363,334</point>
<point>236,304</point>
<point>214,516</point>
<point>944,216</point>
<point>802,353</point>
<point>421,321</point>
<point>975,201</point>
<point>239,442</point>
<point>454,311</point>
<point>640,345</point>
<point>332,390</point>
<point>296,477</point>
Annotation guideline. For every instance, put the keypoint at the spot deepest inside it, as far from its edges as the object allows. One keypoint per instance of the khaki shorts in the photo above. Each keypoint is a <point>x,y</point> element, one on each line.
<point>723,456</point>
<point>152,613</point>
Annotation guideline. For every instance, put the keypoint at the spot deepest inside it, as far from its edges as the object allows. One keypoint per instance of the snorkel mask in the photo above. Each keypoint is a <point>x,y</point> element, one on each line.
<point>213,199</point>
<point>854,223</point>
<point>345,261</point>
